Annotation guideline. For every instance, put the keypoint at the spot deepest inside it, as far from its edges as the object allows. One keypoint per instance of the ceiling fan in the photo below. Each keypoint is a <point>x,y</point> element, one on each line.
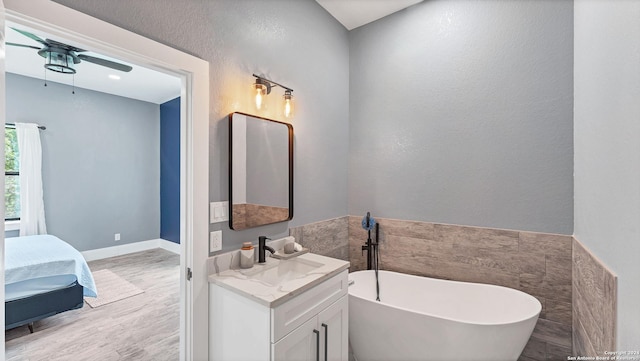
<point>61,57</point>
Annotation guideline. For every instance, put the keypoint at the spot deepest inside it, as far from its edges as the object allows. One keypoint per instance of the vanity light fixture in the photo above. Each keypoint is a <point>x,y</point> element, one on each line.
<point>263,86</point>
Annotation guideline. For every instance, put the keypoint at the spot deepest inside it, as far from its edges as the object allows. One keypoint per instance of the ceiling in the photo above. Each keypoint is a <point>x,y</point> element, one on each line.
<point>355,13</point>
<point>140,83</point>
<point>149,85</point>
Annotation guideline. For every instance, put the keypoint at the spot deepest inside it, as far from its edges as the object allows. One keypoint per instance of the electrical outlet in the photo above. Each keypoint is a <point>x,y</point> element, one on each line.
<point>215,241</point>
<point>116,237</point>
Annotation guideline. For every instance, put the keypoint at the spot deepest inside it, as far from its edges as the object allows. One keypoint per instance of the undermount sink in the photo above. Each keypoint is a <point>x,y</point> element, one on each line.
<point>282,271</point>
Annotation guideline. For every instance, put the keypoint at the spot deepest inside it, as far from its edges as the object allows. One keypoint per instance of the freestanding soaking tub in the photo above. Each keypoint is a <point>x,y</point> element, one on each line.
<point>426,319</point>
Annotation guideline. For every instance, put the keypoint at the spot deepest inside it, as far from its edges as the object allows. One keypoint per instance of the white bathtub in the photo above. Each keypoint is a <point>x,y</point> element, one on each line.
<point>420,318</point>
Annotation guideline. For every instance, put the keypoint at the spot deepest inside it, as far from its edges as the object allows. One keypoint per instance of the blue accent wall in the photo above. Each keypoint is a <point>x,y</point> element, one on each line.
<point>170,170</point>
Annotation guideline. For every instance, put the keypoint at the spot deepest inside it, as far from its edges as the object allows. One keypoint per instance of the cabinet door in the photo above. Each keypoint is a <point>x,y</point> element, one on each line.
<point>333,324</point>
<point>301,344</point>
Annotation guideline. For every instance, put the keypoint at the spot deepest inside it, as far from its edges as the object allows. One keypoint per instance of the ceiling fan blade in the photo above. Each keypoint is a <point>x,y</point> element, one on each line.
<point>29,35</point>
<point>105,62</point>
<point>23,46</point>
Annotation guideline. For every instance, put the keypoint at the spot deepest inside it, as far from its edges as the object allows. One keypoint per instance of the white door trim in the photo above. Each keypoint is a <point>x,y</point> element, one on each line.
<point>101,37</point>
<point>2,161</point>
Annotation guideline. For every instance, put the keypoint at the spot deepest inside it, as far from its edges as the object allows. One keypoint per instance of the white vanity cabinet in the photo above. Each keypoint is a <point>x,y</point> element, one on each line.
<point>312,325</point>
<point>324,337</point>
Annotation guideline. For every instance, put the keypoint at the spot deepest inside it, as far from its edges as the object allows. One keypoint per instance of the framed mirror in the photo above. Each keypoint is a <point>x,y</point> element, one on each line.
<point>260,171</point>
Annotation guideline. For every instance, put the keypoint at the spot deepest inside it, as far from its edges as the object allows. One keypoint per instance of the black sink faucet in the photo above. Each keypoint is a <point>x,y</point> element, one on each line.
<point>262,246</point>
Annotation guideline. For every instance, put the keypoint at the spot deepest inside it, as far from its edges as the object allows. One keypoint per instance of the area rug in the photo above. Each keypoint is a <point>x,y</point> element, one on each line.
<point>111,288</point>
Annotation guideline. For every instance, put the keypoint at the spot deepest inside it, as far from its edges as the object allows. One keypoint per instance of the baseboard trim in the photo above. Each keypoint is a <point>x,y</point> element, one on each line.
<point>169,246</point>
<point>101,253</point>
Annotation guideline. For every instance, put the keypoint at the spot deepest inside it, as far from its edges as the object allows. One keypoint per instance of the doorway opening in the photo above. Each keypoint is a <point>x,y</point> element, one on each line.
<point>103,38</point>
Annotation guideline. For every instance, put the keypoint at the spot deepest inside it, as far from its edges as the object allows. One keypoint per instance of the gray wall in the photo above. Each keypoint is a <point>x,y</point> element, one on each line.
<point>101,161</point>
<point>607,150</point>
<point>461,112</point>
<point>267,163</point>
<point>296,43</point>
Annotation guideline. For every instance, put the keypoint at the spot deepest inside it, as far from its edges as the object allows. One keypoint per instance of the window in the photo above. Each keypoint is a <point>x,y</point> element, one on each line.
<point>12,175</point>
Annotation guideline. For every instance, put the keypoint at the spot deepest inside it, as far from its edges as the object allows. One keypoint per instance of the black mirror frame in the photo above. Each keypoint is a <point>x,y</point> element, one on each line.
<point>290,138</point>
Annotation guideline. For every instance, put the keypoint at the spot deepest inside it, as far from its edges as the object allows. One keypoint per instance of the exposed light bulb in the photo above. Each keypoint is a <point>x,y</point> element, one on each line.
<point>288,104</point>
<point>287,108</point>
<point>258,98</point>
<point>261,90</point>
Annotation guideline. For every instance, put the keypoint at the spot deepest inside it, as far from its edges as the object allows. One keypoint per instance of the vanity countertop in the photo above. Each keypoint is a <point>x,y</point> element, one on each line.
<point>270,295</point>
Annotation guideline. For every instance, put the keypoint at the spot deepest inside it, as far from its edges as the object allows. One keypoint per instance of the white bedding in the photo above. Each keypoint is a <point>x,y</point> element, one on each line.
<point>44,262</point>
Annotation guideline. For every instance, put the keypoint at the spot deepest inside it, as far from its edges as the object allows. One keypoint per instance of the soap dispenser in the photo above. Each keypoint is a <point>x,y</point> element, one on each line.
<point>247,256</point>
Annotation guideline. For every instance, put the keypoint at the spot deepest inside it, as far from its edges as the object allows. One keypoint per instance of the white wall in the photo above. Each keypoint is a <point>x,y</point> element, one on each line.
<point>607,147</point>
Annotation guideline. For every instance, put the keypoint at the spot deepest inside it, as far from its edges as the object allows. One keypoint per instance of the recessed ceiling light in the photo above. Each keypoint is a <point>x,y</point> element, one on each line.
<point>114,77</point>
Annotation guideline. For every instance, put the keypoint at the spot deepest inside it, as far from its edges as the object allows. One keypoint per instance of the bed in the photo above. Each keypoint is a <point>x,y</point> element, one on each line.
<point>44,276</point>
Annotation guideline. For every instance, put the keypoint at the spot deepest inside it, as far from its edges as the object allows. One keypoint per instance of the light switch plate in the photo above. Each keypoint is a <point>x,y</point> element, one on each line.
<point>212,207</point>
<point>215,241</point>
<point>218,212</point>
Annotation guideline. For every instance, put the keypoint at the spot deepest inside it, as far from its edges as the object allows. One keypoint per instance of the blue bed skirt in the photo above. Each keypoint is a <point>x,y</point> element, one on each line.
<point>34,308</point>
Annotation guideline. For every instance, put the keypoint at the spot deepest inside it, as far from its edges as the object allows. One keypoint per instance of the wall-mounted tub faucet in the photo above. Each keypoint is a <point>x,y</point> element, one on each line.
<point>369,223</point>
<point>262,246</point>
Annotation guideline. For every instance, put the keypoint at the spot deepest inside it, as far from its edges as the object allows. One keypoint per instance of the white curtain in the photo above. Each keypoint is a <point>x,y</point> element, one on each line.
<point>31,198</point>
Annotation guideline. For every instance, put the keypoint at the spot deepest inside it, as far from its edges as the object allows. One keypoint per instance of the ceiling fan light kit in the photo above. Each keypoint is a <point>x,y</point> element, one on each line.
<point>59,62</point>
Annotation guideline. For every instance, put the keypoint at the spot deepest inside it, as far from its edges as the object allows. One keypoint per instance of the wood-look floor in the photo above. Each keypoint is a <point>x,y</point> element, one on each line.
<point>142,327</point>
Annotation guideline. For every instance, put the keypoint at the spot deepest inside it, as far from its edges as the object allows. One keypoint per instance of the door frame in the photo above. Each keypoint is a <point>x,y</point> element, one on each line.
<point>102,37</point>
<point>2,163</point>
